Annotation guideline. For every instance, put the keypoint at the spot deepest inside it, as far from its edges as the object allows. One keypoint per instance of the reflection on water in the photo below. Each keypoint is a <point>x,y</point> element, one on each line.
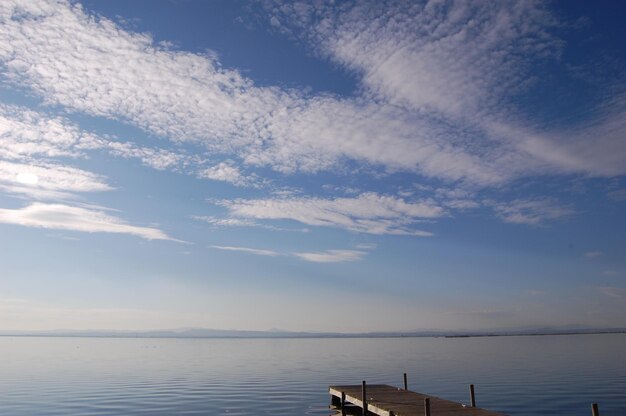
<point>542,375</point>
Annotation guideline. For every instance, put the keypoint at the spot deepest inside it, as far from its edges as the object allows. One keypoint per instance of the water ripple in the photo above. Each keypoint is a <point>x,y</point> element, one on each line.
<point>101,376</point>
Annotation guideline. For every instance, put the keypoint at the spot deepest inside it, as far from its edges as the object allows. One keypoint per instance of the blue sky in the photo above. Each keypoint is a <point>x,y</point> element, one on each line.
<point>246,165</point>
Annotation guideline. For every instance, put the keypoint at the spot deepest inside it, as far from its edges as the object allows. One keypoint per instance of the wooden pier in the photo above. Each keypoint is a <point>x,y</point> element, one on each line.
<point>384,400</point>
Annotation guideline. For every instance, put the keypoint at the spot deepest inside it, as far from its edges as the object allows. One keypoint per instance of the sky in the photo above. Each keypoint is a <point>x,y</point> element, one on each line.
<point>312,166</point>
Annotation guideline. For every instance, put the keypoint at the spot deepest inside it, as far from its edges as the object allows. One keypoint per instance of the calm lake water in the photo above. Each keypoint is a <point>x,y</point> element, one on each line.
<point>541,375</point>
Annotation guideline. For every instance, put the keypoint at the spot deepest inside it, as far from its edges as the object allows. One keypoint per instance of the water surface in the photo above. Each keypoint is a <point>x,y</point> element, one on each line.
<point>540,375</point>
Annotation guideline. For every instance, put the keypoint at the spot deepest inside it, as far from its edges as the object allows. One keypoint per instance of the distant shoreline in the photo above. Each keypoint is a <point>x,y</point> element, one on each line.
<point>287,335</point>
<point>539,334</point>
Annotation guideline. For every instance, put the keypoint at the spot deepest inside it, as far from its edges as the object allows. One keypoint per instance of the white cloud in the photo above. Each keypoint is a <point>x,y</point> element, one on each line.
<point>155,158</point>
<point>31,144</point>
<point>259,252</point>
<point>461,204</point>
<point>366,246</point>
<point>243,222</point>
<point>27,134</point>
<point>74,218</point>
<point>530,211</point>
<point>331,256</point>
<point>227,222</point>
<point>455,57</point>
<point>226,172</point>
<point>89,64</point>
<point>592,254</point>
<point>433,88</point>
<point>327,256</point>
<point>321,132</point>
<point>610,273</point>
<point>368,213</point>
<point>437,99</point>
<point>465,63</point>
<point>48,181</point>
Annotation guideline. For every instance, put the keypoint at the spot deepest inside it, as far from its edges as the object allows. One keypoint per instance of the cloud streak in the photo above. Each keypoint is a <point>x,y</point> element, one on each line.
<point>74,218</point>
<point>258,252</point>
<point>46,180</point>
<point>530,211</point>
<point>368,213</point>
<point>331,256</point>
<point>326,256</point>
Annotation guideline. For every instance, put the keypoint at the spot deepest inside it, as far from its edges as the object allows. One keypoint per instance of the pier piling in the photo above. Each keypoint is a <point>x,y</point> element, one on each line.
<point>364,397</point>
<point>594,409</point>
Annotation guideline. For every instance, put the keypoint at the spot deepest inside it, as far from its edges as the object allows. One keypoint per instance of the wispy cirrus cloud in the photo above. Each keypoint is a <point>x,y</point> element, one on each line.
<point>243,222</point>
<point>325,256</point>
<point>331,256</point>
<point>257,251</point>
<point>227,222</point>
<point>368,213</point>
<point>530,211</point>
<point>76,218</point>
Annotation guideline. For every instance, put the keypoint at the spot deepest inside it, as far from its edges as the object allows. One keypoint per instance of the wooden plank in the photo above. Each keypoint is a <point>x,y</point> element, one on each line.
<point>384,400</point>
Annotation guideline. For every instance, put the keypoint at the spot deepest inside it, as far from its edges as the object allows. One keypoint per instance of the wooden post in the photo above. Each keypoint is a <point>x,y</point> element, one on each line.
<point>406,385</point>
<point>427,407</point>
<point>594,409</point>
<point>472,397</point>
<point>364,398</point>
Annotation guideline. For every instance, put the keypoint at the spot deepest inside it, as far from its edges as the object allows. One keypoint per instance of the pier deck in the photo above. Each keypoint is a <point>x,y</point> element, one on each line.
<point>385,400</point>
